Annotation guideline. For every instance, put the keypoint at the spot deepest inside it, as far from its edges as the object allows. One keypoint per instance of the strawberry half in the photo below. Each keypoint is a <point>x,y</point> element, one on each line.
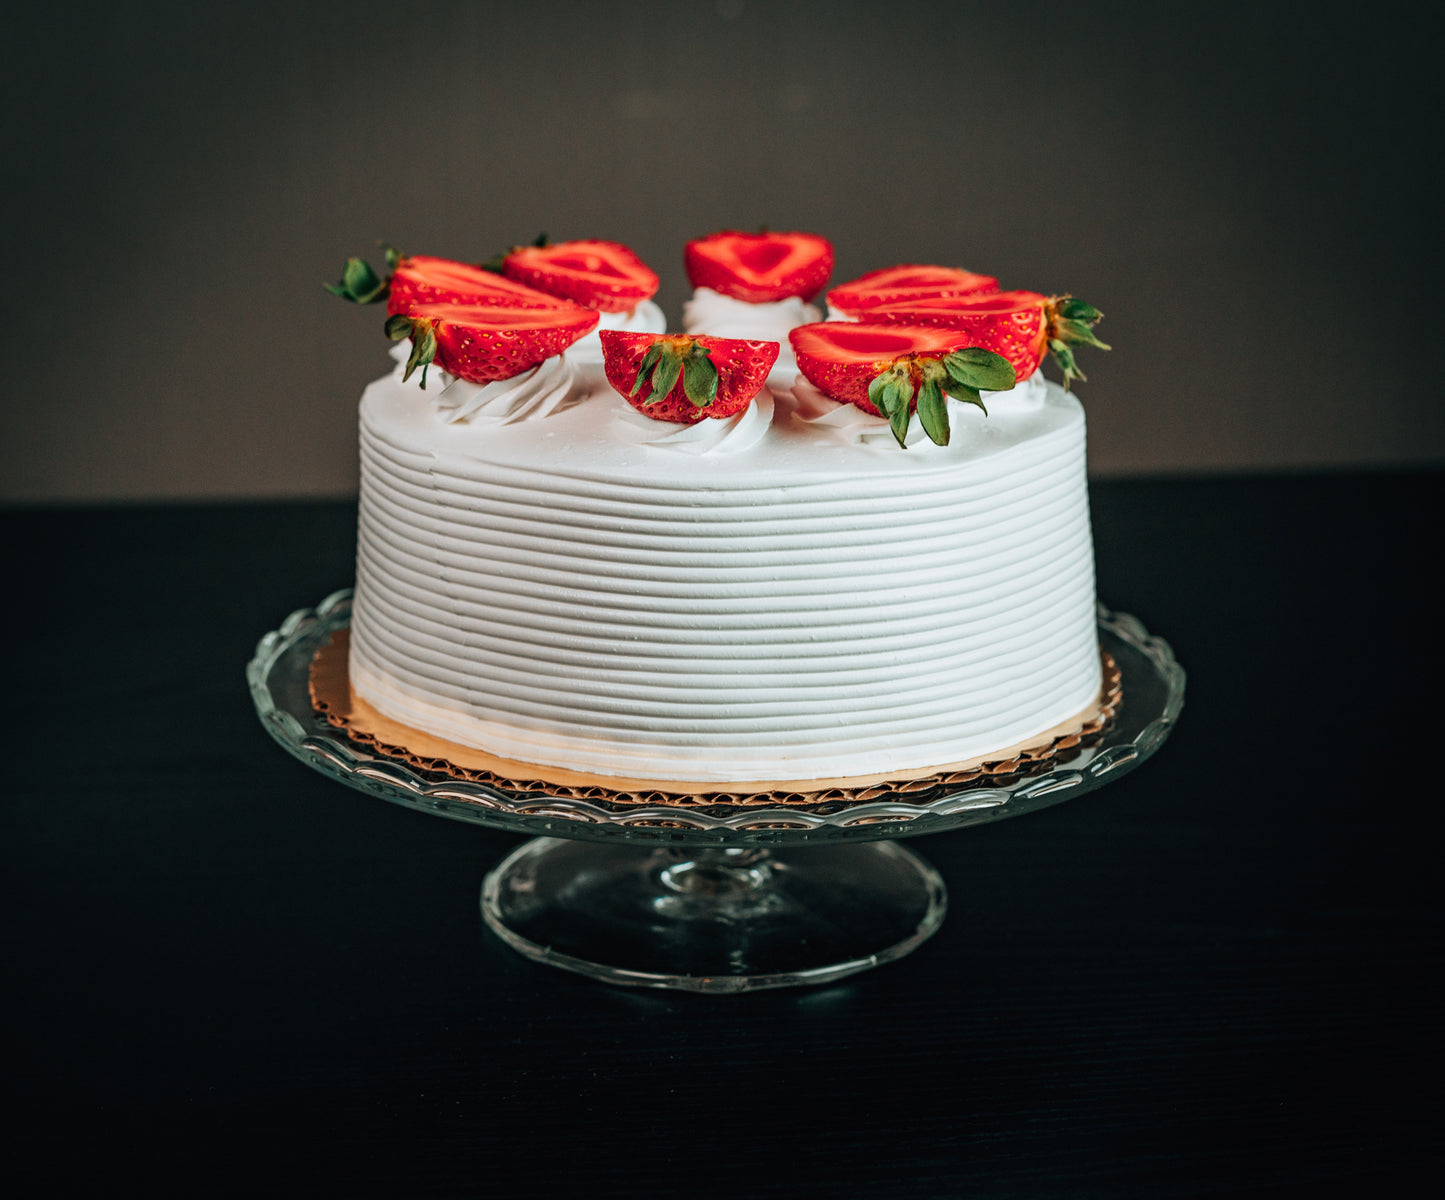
<point>759,268</point>
<point>892,370</point>
<point>907,284</point>
<point>605,276</point>
<point>420,279</point>
<point>483,343</point>
<point>676,377</point>
<point>1021,326</point>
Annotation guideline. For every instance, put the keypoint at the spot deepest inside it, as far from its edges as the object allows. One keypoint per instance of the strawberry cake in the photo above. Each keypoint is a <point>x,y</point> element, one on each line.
<point>691,564</point>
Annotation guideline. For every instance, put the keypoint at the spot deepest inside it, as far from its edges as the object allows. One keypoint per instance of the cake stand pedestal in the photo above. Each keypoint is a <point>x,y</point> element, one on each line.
<point>711,919</point>
<point>714,899</point>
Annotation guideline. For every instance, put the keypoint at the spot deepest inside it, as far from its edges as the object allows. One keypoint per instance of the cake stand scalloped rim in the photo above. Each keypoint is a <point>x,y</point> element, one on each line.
<point>310,738</point>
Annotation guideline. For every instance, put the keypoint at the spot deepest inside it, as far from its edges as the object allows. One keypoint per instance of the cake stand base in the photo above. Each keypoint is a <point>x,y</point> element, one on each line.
<point>713,919</point>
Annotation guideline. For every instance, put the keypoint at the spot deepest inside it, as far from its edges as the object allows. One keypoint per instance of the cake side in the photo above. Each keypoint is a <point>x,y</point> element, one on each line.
<point>785,600</point>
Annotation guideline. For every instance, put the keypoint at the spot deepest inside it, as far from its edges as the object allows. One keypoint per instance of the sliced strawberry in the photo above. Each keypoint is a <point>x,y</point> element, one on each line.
<point>1021,326</point>
<point>892,370</point>
<point>420,279</point>
<point>605,276</point>
<point>907,284</point>
<point>759,267</point>
<point>840,358</point>
<point>483,343</point>
<point>674,377</point>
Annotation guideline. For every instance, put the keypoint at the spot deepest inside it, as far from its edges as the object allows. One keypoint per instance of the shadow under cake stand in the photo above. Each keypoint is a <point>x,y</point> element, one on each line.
<point>725,898</point>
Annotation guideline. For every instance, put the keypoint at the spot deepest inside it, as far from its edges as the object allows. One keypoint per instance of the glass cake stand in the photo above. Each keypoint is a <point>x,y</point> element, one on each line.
<point>714,899</point>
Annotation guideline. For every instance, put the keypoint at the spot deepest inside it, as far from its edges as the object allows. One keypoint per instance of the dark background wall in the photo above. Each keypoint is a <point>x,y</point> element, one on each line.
<point>1239,187</point>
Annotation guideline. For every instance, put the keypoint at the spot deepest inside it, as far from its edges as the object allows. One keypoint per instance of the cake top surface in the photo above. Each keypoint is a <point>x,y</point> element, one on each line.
<point>553,358</point>
<point>790,432</point>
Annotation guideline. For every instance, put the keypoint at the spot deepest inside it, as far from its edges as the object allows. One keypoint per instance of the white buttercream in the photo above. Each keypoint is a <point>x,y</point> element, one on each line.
<point>712,435</point>
<point>716,315</point>
<point>765,599</point>
<point>645,318</point>
<point>534,394</point>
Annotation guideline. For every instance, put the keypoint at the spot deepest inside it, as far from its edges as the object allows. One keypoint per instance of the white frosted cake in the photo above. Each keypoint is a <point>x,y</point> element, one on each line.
<point>785,595</point>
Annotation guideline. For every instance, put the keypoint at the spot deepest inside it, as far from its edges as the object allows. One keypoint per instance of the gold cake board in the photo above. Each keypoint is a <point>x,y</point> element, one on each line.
<point>331,695</point>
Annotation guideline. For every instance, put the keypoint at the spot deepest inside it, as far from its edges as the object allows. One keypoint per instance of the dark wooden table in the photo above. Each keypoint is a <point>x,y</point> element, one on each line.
<point>1212,977</point>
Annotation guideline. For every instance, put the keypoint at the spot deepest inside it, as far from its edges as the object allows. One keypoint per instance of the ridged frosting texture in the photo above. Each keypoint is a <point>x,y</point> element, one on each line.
<point>800,602</point>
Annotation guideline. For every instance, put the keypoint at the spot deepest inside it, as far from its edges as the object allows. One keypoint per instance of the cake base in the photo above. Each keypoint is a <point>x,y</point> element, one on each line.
<point>713,920</point>
<point>333,697</point>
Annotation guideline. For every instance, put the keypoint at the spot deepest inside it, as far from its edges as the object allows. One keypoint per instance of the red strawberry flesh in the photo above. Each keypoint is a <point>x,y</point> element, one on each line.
<point>759,268</point>
<point>420,279</point>
<point>484,343</point>
<point>1013,324</point>
<point>841,358</point>
<point>742,368</point>
<point>605,276</point>
<point>907,284</point>
<point>763,258</point>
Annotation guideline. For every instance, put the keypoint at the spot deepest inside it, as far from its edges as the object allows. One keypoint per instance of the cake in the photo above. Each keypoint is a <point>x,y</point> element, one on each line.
<point>779,596</point>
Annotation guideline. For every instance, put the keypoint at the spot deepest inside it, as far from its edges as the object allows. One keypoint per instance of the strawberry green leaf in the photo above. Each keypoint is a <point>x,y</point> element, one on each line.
<point>423,343</point>
<point>933,412</point>
<point>982,369</point>
<point>699,379</point>
<point>1065,358</point>
<point>890,396</point>
<point>393,256</point>
<point>359,277</point>
<point>423,354</point>
<point>891,391</point>
<point>898,418</point>
<point>961,391</point>
<point>1078,310</point>
<point>1071,324</point>
<point>875,390</point>
<point>664,376</point>
<point>1077,333</point>
<point>649,360</point>
<point>359,283</point>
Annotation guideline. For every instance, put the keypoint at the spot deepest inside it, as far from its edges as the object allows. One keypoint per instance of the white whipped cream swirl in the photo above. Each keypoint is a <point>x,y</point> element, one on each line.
<point>545,389</point>
<point>645,318</point>
<point>712,435</point>
<point>716,315</point>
